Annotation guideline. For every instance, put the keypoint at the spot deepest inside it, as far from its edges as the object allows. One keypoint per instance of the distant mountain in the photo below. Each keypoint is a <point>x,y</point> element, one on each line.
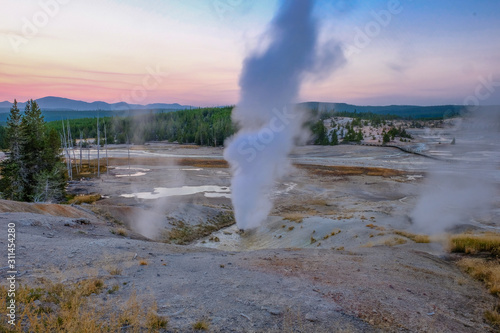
<point>51,103</point>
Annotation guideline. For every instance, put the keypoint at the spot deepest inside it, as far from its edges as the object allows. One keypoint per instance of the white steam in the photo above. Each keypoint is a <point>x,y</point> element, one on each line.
<point>270,83</point>
<point>464,189</point>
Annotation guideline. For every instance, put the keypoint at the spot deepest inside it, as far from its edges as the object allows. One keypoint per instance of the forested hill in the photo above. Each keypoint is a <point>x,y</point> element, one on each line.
<point>403,111</point>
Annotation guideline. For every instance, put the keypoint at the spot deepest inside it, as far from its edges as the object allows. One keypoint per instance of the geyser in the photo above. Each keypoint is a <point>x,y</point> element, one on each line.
<point>269,124</point>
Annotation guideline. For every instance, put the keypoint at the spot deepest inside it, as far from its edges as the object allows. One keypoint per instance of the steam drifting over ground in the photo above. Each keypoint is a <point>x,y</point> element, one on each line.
<point>465,188</point>
<point>269,126</point>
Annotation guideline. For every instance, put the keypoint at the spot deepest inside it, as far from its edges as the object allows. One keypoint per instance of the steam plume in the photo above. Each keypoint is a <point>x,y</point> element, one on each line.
<point>269,126</point>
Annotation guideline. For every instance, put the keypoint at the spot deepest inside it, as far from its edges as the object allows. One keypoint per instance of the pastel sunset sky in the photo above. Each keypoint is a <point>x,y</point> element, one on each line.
<point>422,52</point>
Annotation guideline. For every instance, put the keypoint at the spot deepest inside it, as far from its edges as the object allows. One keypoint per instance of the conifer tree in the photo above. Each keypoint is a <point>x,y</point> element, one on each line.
<point>335,138</point>
<point>11,182</point>
<point>33,170</point>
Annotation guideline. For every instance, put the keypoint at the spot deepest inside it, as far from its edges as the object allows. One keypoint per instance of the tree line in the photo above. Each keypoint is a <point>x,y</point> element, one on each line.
<point>204,126</point>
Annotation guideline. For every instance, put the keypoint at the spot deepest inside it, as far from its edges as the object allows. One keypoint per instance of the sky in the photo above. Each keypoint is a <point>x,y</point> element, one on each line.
<point>420,52</point>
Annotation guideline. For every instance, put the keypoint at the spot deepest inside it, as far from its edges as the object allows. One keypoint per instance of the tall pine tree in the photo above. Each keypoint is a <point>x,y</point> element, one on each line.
<point>33,170</point>
<point>11,182</point>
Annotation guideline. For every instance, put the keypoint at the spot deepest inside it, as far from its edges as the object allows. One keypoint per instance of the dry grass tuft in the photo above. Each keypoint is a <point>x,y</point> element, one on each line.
<point>89,287</point>
<point>113,289</point>
<point>483,269</point>
<point>294,217</point>
<point>414,237</point>
<point>201,325</point>
<point>89,170</point>
<point>155,322</point>
<point>373,226</point>
<point>115,271</point>
<point>493,316</point>
<point>487,271</point>
<point>394,241</point>
<point>85,198</point>
<point>119,232</point>
<point>473,244</point>
<point>317,202</point>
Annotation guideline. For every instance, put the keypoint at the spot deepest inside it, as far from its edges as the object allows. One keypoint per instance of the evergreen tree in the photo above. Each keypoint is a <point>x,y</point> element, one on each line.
<point>3,140</point>
<point>320,131</point>
<point>32,133</point>
<point>386,138</point>
<point>334,138</point>
<point>33,170</point>
<point>11,182</point>
<point>359,136</point>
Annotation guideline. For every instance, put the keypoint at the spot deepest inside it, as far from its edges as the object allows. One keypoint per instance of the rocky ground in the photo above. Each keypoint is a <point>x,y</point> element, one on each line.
<point>329,258</point>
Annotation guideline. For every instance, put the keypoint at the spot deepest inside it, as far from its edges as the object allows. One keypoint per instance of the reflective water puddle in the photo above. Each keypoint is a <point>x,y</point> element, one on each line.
<point>210,191</point>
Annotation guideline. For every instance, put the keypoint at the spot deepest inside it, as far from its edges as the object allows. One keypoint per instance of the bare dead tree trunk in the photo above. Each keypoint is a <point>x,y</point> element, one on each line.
<point>81,144</point>
<point>68,157</point>
<point>98,151</point>
<point>73,148</point>
<point>106,147</point>
<point>128,151</point>
<point>88,155</point>
<point>68,145</point>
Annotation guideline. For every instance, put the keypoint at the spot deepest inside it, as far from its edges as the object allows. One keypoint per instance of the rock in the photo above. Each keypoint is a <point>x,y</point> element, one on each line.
<point>82,221</point>
<point>311,317</point>
<point>274,311</point>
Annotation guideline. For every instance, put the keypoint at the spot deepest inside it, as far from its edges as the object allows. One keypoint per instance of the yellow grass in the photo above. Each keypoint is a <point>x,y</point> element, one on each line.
<point>394,241</point>
<point>294,217</point>
<point>326,170</point>
<point>493,317</point>
<point>152,161</point>
<point>317,202</point>
<point>201,325</point>
<point>85,198</point>
<point>373,226</point>
<point>483,269</point>
<point>119,232</point>
<point>487,271</point>
<point>57,307</point>
<point>472,244</point>
<point>414,237</point>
